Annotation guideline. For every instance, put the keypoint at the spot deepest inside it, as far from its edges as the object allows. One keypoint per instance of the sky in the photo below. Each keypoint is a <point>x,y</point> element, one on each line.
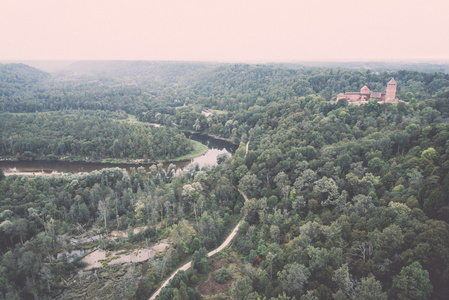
<point>226,31</point>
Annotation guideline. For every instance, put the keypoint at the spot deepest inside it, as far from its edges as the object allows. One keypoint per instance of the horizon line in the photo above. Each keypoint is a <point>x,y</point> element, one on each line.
<point>256,61</point>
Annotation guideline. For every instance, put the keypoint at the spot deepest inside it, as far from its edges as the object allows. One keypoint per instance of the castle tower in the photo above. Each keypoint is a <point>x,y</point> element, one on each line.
<point>391,91</point>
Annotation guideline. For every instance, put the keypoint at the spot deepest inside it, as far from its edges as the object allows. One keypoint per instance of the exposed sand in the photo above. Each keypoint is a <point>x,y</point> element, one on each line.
<point>7,173</point>
<point>124,234</point>
<point>93,259</point>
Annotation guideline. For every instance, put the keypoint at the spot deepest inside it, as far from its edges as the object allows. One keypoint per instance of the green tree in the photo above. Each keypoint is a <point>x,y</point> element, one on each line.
<point>429,153</point>
<point>200,261</point>
<point>412,283</point>
<point>370,289</point>
<point>241,288</point>
<point>181,235</point>
<point>344,281</point>
<point>250,185</point>
<point>222,275</point>
<point>293,278</point>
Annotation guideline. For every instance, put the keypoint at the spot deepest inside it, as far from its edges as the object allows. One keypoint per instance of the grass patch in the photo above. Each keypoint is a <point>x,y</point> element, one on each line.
<point>88,245</point>
<point>132,118</point>
<point>105,262</point>
<point>219,112</point>
<point>198,150</point>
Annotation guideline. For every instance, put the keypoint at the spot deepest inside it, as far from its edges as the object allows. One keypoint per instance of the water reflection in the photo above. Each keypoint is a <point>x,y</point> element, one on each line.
<point>215,146</point>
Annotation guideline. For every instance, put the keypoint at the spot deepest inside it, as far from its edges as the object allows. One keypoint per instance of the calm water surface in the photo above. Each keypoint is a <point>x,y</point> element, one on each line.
<point>215,146</point>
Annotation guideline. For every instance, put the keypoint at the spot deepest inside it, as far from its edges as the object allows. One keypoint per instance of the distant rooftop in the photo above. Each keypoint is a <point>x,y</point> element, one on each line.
<point>392,81</point>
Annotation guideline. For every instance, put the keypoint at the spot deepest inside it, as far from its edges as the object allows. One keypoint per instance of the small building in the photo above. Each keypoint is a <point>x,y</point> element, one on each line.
<point>365,94</point>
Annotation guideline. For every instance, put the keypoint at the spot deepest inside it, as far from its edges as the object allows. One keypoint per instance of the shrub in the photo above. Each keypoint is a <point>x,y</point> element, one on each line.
<point>194,279</point>
<point>222,275</point>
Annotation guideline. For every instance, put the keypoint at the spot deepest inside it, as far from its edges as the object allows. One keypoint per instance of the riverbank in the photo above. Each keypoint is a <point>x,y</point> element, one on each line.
<point>204,153</point>
<point>187,130</point>
<point>133,120</point>
<point>66,166</point>
<point>10,173</point>
<point>198,150</point>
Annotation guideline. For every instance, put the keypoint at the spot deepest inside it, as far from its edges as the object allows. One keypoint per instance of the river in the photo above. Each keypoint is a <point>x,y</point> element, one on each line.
<point>215,146</point>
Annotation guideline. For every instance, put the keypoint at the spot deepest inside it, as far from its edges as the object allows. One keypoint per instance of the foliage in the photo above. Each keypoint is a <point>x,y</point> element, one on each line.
<point>222,275</point>
<point>200,261</point>
<point>412,283</point>
<point>39,214</point>
<point>345,201</point>
<point>86,134</point>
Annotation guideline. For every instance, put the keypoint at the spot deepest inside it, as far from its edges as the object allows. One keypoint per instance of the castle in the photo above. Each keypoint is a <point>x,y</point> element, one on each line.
<point>365,94</point>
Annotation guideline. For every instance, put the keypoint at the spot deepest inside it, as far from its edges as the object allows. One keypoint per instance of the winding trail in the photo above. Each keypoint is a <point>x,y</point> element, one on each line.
<point>189,264</point>
<point>213,252</point>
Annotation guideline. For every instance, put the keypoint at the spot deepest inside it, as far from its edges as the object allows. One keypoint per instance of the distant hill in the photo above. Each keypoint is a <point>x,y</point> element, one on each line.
<point>162,72</point>
<point>261,84</point>
<point>241,78</point>
<point>380,66</point>
<point>19,78</point>
<point>49,66</point>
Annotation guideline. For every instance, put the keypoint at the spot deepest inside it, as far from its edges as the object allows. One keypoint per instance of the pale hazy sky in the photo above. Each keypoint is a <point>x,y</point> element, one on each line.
<point>230,30</point>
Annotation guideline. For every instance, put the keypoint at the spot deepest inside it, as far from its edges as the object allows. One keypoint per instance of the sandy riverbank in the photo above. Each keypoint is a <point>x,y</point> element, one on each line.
<point>33,174</point>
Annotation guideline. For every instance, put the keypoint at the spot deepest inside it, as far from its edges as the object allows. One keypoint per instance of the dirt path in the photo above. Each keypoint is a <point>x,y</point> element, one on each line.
<point>213,252</point>
<point>225,243</point>
<point>189,264</point>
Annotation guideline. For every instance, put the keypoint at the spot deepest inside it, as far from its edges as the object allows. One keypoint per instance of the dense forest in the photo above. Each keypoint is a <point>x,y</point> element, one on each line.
<point>345,202</point>
<point>238,89</point>
<point>90,134</point>
<point>39,215</point>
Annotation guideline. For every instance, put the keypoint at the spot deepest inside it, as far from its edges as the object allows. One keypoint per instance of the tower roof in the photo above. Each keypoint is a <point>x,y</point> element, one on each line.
<point>364,90</point>
<point>392,81</point>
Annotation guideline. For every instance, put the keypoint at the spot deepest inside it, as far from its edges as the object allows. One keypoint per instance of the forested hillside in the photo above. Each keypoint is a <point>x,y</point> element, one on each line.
<point>87,135</point>
<point>345,202</point>
<point>40,215</point>
<point>144,72</point>
<point>351,196</point>
<point>236,89</point>
<point>20,79</point>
